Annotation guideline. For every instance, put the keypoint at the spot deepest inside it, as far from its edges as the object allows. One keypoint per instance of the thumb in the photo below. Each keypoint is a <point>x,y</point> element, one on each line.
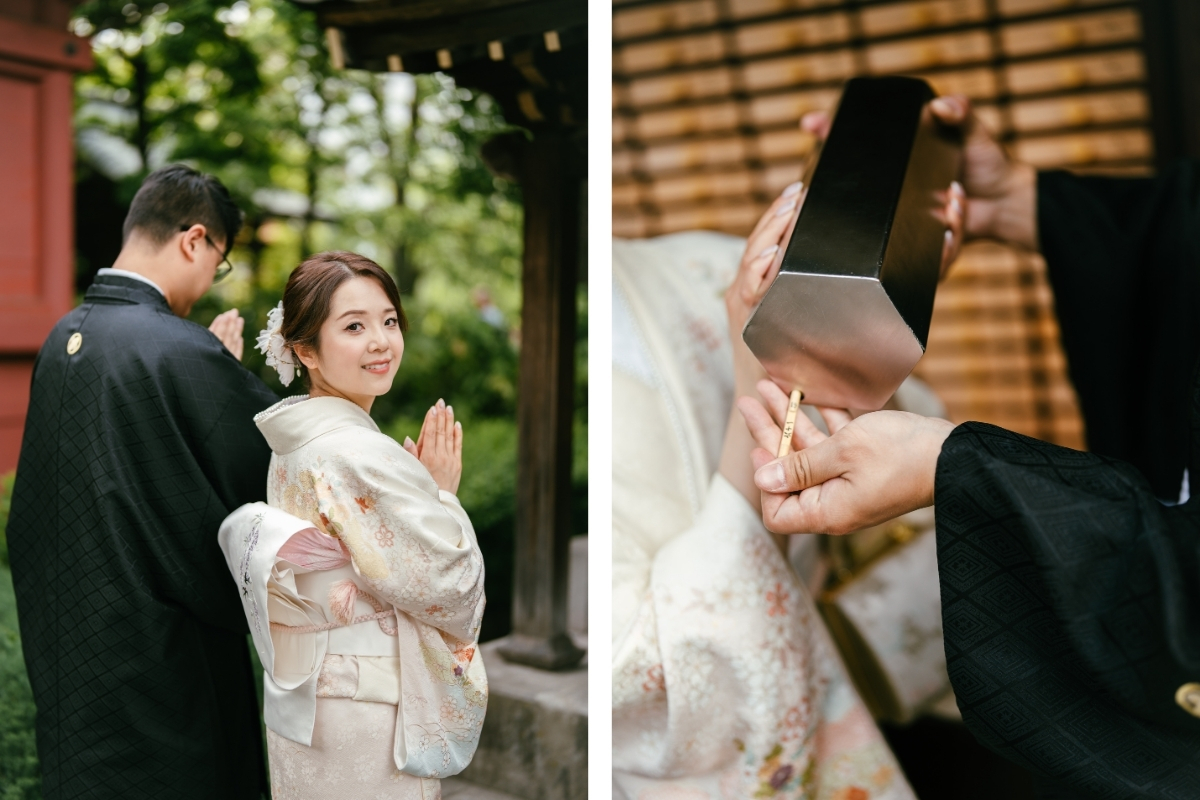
<point>409,446</point>
<point>951,109</point>
<point>798,471</point>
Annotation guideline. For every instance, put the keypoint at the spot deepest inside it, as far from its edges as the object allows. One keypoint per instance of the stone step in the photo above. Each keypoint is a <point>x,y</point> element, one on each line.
<point>458,789</point>
<point>534,740</point>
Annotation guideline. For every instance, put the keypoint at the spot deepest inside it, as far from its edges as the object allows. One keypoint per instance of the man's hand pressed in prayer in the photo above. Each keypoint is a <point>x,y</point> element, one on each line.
<point>868,470</point>
<point>228,327</point>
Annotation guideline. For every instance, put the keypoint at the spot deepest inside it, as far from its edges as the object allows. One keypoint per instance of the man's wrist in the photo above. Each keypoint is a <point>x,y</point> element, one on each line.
<point>1015,219</point>
<point>941,430</point>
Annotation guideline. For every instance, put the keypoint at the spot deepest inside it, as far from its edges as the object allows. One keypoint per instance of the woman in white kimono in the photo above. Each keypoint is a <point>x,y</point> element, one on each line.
<point>363,561</point>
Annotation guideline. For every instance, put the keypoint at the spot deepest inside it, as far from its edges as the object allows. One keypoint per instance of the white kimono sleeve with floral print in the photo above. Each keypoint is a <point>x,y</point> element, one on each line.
<point>726,682</point>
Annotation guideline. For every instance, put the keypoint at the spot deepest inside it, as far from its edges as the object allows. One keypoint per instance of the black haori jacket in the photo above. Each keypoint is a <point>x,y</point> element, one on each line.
<point>1071,581</point>
<point>140,439</point>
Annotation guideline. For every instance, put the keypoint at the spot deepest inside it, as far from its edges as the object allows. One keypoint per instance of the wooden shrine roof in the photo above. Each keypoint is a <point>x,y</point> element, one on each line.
<point>530,55</point>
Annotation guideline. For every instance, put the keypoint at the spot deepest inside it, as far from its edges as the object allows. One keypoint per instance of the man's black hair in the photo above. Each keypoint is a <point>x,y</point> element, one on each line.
<point>175,196</point>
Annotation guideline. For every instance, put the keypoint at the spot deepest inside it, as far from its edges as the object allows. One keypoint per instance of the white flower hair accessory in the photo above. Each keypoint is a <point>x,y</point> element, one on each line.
<point>271,344</point>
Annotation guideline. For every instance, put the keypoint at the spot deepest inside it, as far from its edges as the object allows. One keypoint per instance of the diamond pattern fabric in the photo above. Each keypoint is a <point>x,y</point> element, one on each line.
<point>136,447</point>
<point>1070,587</point>
<point>1068,635</point>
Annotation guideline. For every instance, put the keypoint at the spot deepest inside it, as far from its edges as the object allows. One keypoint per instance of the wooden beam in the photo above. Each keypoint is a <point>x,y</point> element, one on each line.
<point>550,171</point>
<point>387,34</point>
<point>370,13</point>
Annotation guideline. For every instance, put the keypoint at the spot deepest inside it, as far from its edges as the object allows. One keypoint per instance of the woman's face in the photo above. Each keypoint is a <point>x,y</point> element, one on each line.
<point>359,347</point>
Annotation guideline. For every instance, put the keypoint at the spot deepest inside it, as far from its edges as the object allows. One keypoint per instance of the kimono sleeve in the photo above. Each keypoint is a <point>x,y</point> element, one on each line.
<point>1071,611</point>
<point>218,399</point>
<point>211,402</point>
<point>415,549</point>
<point>455,509</point>
<point>1123,259</point>
<point>725,677</point>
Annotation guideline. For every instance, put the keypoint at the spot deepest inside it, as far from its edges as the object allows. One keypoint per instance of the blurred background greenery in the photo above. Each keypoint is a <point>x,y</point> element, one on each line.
<point>387,165</point>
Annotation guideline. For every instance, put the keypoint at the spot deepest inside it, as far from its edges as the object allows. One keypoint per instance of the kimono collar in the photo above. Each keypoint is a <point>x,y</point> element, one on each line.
<point>292,423</point>
<point>119,289</point>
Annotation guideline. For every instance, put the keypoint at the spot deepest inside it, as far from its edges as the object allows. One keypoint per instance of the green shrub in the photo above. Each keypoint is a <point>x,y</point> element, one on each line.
<point>6,485</point>
<point>19,775</point>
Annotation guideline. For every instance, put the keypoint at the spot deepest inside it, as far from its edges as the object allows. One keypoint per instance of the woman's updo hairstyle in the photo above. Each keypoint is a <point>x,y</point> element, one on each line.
<point>309,292</point>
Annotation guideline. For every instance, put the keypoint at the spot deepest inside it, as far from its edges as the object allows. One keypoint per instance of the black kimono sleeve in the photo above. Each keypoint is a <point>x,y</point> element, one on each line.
<point>1070,593</point>
<point>1123,257</point>
<point>215,399</point>
<point>218,399</point>
<point>1071,612</point>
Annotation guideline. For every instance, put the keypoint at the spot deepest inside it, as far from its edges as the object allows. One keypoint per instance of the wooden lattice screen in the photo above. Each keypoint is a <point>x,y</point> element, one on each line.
<point>707,94</point>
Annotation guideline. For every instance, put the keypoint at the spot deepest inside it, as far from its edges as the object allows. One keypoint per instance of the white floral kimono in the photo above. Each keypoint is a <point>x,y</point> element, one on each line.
<point>363,587</point>
<point>725,682</point>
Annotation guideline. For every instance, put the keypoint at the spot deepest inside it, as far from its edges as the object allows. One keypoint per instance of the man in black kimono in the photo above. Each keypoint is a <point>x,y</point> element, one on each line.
<point>1070,581</point>
<point>139,441</point>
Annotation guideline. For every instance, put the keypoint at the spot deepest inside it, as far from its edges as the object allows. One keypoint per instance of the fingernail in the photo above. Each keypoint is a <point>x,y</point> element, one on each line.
<point>770,251</point>
<point>450,409</point>
<point>770,478</point>
<point>949,236</point>
<point>458,425</point>
<point>956,204</point>
<point>441,403</point>
<point>407,440</point>
<point>786,208</point>
<point>793,189</point>
<point>956,187</point>
<point>943,105</point>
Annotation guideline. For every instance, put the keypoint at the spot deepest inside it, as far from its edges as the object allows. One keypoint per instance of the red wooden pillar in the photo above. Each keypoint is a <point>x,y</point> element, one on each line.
<point>37,263</point>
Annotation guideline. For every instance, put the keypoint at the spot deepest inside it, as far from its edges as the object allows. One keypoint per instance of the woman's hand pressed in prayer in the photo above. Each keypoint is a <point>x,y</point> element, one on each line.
<point>439,446</point>
<point>868,470</point>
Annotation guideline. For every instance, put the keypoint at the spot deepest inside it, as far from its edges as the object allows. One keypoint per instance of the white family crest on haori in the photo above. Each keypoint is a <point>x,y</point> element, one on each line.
<point>271,344</point>
<point>361,581</point>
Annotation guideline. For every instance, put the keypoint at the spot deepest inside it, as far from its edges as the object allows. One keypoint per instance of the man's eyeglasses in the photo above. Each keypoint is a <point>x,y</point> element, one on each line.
<point>224,268</point>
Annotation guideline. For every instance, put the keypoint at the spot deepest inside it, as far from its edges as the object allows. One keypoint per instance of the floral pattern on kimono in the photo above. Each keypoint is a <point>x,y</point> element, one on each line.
<point>728,673</point>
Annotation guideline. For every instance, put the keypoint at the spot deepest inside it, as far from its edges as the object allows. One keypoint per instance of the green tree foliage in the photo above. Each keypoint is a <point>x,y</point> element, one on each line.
<point>384,165</point>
